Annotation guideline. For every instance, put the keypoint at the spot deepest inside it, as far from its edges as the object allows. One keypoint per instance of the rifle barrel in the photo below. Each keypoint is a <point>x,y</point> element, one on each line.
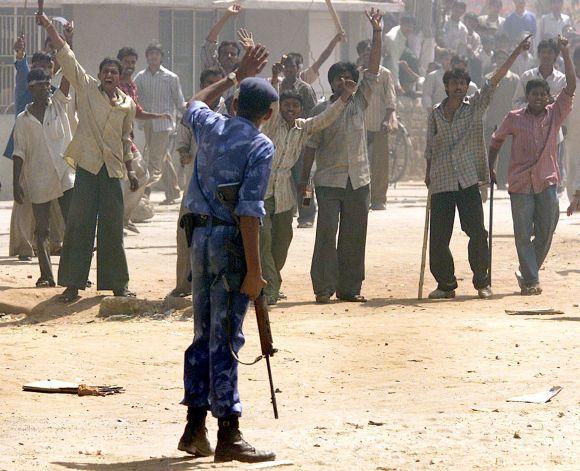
<point>272,391</point>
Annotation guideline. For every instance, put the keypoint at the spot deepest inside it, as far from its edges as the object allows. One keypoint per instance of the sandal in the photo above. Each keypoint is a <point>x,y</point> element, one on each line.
<point>355,298</point>
<point>180,293</point>
<point>124,293</point>
<point>69,295</point>
<point>42,283</point>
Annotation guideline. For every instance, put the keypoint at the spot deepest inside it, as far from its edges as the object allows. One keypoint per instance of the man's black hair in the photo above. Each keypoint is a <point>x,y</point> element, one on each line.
<point>537,83</point>
<point>38,74</point>
<point>460,4</point>
<point>291,95</point>
<point>39,57</point>
<point>110,61</point>
<point>470,15</point>
<point>363,46</point>
<point>225,44</point>
<point>299,60</point>
<point>341,67</point>
<point>127,51</point>
<point>293,59</point>
<point>210,72</point>
<point>252,110</point>
<point>154,46</point>
<point>456,74</point>
<point>408,19</point>
<point>457,59</point>
<point>549,44</point>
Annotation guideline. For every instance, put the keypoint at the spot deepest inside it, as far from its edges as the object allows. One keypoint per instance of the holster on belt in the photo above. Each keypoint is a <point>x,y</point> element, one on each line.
<point>187,223</point>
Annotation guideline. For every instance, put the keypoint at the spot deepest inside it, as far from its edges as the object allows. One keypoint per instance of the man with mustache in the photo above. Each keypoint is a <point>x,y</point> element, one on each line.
<point>456,165</point>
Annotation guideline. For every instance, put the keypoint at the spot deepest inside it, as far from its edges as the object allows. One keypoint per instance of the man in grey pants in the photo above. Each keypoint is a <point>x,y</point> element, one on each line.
<point>342,181</point>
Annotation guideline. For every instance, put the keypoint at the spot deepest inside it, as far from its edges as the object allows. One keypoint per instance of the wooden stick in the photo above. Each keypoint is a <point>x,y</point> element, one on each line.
<point>424,250</point>
<point>490,229</point>
<point>336,19</point>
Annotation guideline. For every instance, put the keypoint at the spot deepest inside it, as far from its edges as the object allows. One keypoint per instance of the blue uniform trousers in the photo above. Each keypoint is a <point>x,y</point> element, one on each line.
<point>210,371</point>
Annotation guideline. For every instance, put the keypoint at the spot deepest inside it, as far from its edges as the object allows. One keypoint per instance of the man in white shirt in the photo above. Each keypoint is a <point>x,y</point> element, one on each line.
<point>396,41</point>
<point>159,91</point>
<point>552,24</point>
<point>454,32</point>
<point>41,134</point>
<point>492,22</point>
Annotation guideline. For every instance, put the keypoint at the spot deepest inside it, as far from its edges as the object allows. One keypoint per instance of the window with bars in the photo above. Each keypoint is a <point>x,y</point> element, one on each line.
<point>182,33</point>
<point>13,22</point>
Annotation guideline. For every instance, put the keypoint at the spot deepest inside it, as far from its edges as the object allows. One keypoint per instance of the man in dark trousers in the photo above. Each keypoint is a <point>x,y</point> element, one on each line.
<point>225,255</point>
<point>101,152</point>
<point>342,181</point>
<point>456,166</point>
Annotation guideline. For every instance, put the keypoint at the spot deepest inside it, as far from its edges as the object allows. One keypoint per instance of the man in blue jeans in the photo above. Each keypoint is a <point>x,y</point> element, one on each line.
<point>533,174</point>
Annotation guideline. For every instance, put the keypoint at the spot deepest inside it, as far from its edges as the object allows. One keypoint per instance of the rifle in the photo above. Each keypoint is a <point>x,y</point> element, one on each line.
<point>228,195</point>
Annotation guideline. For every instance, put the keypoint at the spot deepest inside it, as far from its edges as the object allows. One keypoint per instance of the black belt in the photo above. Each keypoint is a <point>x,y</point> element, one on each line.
<point>202,220</point>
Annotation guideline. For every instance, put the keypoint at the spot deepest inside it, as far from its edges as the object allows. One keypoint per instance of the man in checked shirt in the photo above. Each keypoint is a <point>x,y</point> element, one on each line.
<point>534,175</point>
<point>456,165</point>
<point>289,134</point>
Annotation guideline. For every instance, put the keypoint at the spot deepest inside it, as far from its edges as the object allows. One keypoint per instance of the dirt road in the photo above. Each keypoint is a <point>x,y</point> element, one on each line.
<point>391,384</point>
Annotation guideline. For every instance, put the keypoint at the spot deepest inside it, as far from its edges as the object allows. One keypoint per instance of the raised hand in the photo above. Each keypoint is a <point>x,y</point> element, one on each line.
<point>253,62</point>
<point>375,18</point>
<point>20,44</point>
<point>68,32</point>
<point>349,87</point>
<point>246,38</point>
<point>234,9</point>
<point>42,20</point>
<point>563,44</point>
<point>526,44</point>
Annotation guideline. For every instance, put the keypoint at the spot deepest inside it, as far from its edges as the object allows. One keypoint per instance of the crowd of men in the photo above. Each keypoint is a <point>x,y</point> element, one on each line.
<point>256,153</point>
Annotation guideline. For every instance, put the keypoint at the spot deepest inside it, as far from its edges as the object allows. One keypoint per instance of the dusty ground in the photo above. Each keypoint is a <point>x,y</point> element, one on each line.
<point>415,369</point>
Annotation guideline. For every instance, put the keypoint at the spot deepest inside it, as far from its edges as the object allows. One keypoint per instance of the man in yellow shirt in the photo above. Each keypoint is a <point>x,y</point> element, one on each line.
<point>101,152</point>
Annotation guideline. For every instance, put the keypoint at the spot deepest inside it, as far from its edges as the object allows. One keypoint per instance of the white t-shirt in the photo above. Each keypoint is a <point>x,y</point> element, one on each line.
<point>45,174</point>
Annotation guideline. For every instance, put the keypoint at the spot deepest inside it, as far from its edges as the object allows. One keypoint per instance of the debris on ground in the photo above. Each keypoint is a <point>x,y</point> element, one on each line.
<point>533,312</point>
<point>65,387</point>
<point>538,398</point>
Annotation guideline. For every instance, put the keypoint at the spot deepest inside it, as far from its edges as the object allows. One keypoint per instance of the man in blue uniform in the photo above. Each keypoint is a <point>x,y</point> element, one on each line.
<point>225,257</point>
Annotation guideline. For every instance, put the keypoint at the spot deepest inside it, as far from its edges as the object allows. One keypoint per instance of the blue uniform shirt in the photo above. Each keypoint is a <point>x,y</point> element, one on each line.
<point>229,150</point>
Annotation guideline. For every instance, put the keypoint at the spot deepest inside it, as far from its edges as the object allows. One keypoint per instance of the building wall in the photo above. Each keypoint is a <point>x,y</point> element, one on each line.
<point>103,30</point>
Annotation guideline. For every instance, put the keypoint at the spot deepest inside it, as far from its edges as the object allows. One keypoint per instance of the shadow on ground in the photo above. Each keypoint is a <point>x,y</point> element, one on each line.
<point>152,464</point>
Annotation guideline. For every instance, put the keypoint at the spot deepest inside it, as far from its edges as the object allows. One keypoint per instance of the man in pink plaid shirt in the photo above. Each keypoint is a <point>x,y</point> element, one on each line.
<point>533,174</point>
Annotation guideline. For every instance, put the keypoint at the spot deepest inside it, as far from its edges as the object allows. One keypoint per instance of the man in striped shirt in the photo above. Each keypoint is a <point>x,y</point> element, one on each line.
<point>289,133</point>
<point>534,175</point>
<point>159,91</point>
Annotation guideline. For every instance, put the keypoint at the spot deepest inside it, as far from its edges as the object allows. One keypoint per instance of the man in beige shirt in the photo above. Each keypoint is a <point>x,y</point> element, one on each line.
<point>101,152</point>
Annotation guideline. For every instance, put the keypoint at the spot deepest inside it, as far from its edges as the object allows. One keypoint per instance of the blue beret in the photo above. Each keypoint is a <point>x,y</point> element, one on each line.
<point>256,94</point>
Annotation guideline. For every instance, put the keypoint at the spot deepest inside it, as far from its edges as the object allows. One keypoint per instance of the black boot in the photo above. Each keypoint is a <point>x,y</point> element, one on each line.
<point>232,446</point>
<point>194,439</point>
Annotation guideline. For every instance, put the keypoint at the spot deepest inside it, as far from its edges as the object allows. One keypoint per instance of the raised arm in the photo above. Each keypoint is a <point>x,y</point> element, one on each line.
<point>375,18</point>
<point>332,112</point>
<point>71,69</point>
<point>68,36</point>
<point>253,62</point>
<point>214,33</point>
<point>326,53</point>
<point>505,67</point>
<point>568,66</point>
